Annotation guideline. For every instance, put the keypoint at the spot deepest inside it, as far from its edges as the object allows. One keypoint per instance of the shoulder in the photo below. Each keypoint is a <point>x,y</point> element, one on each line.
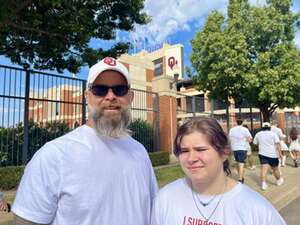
<point>133,145</point>
<point>168,191</point>
<point>254,200</point>
<point>257,208</point>
<point>56,148</point>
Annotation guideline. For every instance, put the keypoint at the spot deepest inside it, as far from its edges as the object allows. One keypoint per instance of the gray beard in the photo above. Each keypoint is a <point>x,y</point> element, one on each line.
<point>110,127</point>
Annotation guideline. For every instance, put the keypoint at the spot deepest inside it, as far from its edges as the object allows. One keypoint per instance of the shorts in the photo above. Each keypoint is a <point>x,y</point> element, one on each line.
<point>240,156</point>
<point>273,162</point>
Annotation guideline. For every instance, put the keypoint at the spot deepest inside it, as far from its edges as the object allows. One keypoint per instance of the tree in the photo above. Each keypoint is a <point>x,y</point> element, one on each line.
<point>249,56</point>
<point>12,139</point>
<point>55,34</point>
<point>142,131</point>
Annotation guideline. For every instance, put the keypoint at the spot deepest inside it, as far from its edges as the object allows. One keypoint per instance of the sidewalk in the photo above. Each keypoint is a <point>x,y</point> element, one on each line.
<point>280,196</point>
<point>291,212</point>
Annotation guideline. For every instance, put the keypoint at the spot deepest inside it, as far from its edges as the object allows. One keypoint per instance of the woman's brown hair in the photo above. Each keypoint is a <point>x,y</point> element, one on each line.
<point>212,130</point>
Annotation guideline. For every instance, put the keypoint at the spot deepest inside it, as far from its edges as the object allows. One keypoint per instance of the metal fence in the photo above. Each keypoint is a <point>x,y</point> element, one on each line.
<point>195,106</point>
<point>36,107</point>
<point>291,120</point>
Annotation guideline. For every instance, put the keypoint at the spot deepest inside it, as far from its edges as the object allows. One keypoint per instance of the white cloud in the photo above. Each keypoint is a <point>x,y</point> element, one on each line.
<point>170,16</point>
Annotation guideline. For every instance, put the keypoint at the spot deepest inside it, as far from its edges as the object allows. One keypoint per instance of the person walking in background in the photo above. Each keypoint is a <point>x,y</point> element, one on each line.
<point>96,174</point>
<point>4,206</point>
<point>249,153</point>
<point>269,152</point>
<point>283,146</point>
<point>294,147</point>
<point>207,195</point>
<point>239,139</point>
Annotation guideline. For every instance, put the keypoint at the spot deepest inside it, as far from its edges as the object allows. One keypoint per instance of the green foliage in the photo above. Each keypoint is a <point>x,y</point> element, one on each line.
<point>56,34</point>
<point>250,56</point>
<point>159,158</point>
<point>12,139</point>
<point>168,174</point>
<point>10,177</point>
<point>142,131</point>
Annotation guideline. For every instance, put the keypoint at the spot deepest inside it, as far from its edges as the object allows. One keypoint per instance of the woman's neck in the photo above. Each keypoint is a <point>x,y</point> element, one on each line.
<point>219,185</point>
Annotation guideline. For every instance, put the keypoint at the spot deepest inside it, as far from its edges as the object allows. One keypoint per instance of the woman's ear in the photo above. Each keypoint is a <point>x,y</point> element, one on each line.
<point>226,153</point>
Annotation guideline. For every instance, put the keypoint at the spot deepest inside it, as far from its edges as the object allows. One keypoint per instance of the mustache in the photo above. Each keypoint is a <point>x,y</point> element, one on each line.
<point>112,105</point>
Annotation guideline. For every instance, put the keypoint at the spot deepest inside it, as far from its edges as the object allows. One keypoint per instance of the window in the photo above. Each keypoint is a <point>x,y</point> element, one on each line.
<point>219,105</point>
<point>158,67</point>
<point>199,103</point>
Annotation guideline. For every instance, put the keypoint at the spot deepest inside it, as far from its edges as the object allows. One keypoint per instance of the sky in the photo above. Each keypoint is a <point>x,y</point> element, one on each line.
<point>183,19</point>
<point>174,22</point>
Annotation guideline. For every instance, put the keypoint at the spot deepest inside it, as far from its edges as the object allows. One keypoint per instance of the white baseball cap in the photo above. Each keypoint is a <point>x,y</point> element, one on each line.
<point>108,63</point>
<point>266,124</point>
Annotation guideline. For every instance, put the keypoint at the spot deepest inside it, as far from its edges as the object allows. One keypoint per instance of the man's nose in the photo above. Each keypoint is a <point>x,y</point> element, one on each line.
<point>110,95</point>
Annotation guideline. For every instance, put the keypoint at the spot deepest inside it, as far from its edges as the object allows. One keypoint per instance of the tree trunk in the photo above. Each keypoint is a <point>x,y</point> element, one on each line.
<point>266,114</point>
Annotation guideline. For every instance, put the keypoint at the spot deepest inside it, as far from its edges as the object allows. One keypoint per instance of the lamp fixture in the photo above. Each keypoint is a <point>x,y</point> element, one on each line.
<point>175,76</point>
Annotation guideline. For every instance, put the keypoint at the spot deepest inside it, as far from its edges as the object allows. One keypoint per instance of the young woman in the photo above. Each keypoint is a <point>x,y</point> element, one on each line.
<point>207,195</point>
<point>295,145</point>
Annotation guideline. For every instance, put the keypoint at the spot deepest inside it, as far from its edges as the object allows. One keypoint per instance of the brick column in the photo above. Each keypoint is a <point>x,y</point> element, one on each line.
<point>168,122</point>
<point>207,103</point>
<point>281,119</point>
<point>167,110</point>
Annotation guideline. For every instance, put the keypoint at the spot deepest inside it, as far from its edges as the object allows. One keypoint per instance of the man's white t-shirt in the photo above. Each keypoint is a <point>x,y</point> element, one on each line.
<point>174,205</point>
<point>266,141</point>
<point>239,138</point>
<point>82,179</point>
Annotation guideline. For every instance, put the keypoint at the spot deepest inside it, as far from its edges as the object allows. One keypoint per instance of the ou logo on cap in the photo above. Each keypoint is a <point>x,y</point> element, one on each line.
<point>110,61</point>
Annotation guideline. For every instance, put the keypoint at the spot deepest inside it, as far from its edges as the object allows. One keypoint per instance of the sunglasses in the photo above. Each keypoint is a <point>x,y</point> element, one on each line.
<point>102,90</point>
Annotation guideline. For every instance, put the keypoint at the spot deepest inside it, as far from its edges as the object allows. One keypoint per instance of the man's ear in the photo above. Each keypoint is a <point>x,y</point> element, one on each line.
<point>87,96</point>
<point>131,96</point>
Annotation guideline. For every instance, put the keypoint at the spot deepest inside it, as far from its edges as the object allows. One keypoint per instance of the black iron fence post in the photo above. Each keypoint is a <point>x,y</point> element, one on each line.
<point>156,125</point>
<point>83,103</point>
<point>26,115</point>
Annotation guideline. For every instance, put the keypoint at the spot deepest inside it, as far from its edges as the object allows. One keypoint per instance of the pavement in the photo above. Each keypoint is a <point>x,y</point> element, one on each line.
<point>285,198</point>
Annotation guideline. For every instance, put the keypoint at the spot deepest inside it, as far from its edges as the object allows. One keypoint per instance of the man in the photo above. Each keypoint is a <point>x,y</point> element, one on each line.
<point>269,153</point>
<point>240,138</point>
<point>97,174</point>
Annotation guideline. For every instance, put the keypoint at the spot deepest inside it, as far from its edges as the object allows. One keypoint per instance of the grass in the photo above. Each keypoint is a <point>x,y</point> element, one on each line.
<point>164,175</point>
<point>10,196</point>
<point>168,174</point>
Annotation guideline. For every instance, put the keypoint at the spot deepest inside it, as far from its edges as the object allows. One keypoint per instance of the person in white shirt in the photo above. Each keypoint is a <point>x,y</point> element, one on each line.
<point>283,146</point>
<point>207,195</point>
<point>269,152</point>
<point>240,137</point>
<point>97,174</point>
<point>294,148</point>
